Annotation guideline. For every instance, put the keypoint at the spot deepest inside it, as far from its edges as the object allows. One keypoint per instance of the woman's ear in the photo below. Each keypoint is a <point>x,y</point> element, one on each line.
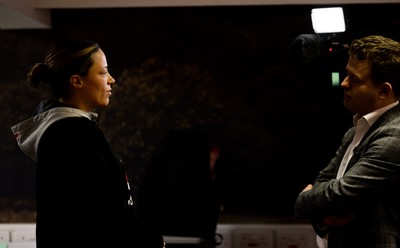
<point>76,82</point>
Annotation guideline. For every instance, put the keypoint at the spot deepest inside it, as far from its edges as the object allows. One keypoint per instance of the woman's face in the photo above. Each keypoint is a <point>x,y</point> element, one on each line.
<point>96,86</point>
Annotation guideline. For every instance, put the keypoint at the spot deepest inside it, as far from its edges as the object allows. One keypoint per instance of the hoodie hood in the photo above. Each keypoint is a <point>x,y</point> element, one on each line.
<point>29,132</point>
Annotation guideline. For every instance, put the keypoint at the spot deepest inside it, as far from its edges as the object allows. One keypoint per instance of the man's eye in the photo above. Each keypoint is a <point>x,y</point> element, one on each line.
<point>353,79</point>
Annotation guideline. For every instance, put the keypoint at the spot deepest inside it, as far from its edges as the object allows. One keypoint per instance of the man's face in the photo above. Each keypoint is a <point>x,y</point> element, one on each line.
<point>360,94</point>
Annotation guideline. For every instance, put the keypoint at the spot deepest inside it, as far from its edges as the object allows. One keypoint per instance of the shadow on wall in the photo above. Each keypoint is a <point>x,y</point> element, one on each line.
<point>17,211</point>
<point>178,196</point>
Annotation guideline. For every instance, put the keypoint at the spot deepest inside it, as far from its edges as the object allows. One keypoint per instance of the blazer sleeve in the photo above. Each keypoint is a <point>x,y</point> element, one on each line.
<point>371,174</point>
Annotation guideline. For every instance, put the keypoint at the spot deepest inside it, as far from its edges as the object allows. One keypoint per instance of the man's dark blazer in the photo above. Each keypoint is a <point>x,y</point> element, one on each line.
<point>369,189</point>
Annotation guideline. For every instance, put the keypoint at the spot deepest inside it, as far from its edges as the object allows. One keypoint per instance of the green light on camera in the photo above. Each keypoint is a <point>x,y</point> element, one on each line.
<point>335,79</point>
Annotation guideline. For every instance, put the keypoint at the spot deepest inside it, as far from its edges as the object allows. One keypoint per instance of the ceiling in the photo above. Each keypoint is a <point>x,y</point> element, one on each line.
<point>35,14</point>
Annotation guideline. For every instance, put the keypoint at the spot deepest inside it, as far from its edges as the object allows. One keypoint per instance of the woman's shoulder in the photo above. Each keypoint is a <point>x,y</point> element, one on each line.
<point>71,127</point>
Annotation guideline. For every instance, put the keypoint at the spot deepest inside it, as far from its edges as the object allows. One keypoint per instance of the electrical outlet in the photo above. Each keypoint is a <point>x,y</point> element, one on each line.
<point>226,239</point>
<point>27,235</point>
<point>295,239</point>
<point>22,245</point>
<point>4,236</point>
<point>253,239</point>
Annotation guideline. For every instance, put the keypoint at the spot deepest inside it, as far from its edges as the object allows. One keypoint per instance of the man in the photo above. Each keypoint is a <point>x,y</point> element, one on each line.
<point>355,199</point>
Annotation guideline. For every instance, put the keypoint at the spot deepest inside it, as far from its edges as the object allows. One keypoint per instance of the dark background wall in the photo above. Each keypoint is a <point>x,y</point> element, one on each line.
<point>235,73</point>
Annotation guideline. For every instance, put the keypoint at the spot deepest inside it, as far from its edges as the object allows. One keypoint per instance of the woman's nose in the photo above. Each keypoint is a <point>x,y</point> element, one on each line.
<point>111,80</point>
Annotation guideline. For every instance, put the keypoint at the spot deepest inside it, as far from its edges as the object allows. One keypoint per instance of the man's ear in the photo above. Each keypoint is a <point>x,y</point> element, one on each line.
<point>385,89</point>
<point>76,82</point>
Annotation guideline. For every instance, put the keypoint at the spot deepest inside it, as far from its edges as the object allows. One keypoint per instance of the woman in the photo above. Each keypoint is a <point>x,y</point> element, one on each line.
<point>83,195</point>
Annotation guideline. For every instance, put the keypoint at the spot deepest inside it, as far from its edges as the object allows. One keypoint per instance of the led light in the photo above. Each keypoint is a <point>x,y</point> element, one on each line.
<point>328,20</point>
<point>335,79</point>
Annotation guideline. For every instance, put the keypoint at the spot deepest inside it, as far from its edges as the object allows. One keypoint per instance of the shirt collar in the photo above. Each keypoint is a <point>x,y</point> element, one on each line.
<point>373,116</point>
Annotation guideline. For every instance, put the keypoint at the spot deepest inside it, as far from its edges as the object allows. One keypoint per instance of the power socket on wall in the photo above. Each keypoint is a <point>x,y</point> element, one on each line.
<point>295,239</point>
<point>23,235</point>
<point>226,239</point>
<point>253,239</point>
<point>4,236</point>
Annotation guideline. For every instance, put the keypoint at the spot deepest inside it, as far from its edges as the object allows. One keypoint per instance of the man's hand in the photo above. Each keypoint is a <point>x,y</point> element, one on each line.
<point>308,187</point>
<point>337,220</point>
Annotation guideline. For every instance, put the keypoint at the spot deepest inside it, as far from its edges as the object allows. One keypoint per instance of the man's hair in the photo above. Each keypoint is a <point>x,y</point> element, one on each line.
<point>383,55</point>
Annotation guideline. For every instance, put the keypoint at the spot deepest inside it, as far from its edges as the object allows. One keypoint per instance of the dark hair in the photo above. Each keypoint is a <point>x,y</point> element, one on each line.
<point>383,55</point>
<point>61,62</point>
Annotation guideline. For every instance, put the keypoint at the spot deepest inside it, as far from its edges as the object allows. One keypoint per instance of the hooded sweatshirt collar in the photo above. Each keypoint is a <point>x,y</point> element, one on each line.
<point>29,132</point>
